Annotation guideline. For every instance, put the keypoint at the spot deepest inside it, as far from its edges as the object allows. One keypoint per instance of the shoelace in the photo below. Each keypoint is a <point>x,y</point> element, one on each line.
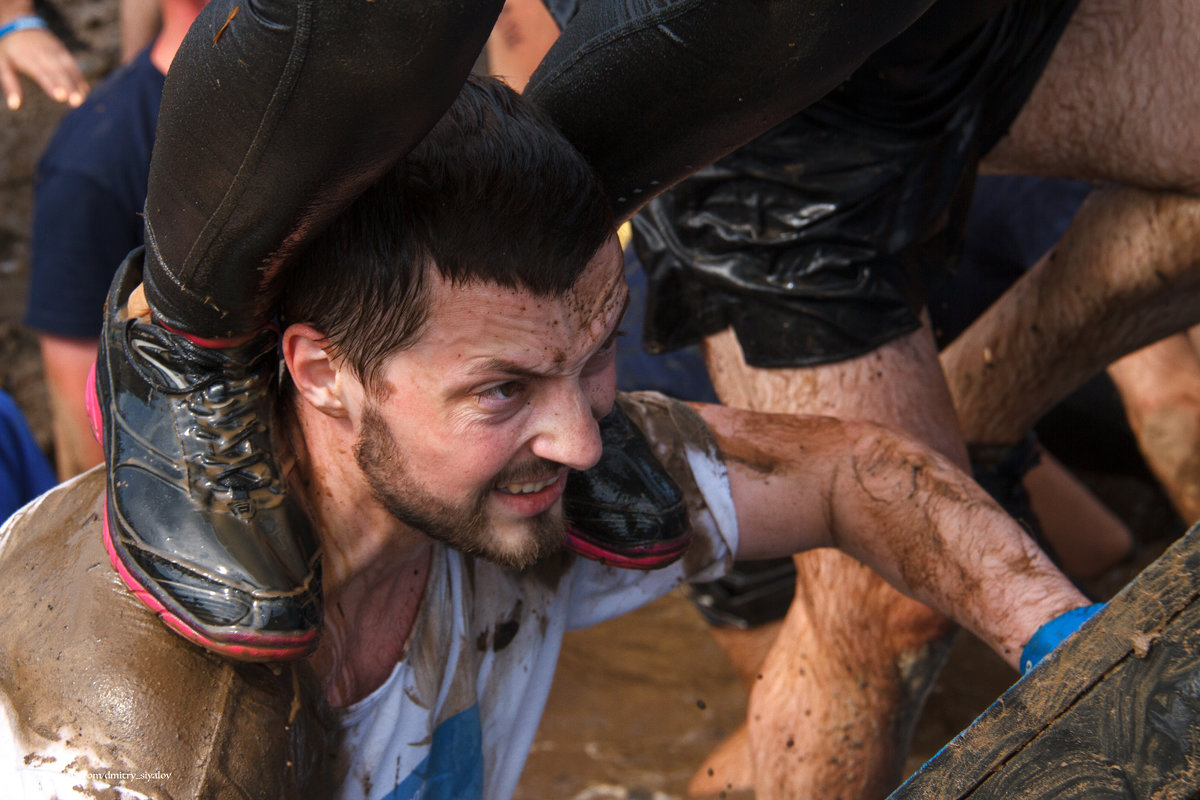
<point>226,418</point>
<point>226,461</point>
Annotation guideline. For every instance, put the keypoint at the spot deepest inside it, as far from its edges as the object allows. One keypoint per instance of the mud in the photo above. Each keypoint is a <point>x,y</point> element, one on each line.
<point>97,684</point>
<point>655,415</point>
<point>500,636</point>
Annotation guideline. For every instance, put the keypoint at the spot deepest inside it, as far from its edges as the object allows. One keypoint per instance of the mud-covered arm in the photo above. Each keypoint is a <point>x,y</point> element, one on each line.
<point>897,506</point>
<point>37,53</point>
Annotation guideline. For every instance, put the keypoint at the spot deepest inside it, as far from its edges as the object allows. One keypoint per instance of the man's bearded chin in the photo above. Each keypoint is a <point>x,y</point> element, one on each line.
<point>465,527</point>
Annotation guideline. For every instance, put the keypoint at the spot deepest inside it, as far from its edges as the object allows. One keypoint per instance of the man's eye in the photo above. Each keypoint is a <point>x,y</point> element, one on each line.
<point>501,392</point>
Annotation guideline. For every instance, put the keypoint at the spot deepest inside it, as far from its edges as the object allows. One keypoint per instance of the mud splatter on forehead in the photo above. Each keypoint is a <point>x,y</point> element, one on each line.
<point>600,293</point>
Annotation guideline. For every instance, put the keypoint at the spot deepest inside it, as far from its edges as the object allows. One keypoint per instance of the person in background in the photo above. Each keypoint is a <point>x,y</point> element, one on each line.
<point>89,192</point>
<point>24,471</point>
<point>27,47</point>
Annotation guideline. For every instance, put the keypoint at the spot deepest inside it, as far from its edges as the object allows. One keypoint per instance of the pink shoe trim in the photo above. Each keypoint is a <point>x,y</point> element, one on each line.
<point>294,647</point>
<point>91,402</point>
<point>210,344</point>
<point>652,556</point>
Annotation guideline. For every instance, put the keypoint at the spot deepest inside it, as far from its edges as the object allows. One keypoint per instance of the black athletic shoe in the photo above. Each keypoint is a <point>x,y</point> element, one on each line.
<point>196,518</point>
<point>626,510</point>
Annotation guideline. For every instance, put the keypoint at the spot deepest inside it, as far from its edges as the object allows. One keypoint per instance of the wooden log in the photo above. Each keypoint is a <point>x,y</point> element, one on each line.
<point>1112,713</point>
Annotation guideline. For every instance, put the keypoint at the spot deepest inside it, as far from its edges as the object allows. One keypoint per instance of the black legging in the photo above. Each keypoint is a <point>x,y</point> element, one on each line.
<point>277,113</point>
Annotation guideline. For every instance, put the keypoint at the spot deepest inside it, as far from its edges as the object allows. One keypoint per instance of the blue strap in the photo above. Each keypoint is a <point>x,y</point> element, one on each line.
<point>1053,633</point>
<point>27,23</point>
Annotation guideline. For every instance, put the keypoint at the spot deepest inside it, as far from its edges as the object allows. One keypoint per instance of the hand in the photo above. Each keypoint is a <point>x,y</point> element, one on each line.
<point>1054,633</point>
<point>40,55</point>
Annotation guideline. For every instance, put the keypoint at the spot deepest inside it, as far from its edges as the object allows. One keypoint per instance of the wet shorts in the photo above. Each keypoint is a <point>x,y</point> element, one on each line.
<point>814,242</point>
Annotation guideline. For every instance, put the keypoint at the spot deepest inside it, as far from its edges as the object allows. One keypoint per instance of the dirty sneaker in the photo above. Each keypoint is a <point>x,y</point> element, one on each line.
<point>196,519</point>
<point>626,511</point>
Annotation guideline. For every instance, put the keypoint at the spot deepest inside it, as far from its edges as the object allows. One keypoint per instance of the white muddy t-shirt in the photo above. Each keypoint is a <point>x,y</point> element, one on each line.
<point>457,717</point>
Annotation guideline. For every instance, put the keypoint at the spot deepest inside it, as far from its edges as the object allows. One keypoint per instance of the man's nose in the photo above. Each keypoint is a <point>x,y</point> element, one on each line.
<point>568,432</point>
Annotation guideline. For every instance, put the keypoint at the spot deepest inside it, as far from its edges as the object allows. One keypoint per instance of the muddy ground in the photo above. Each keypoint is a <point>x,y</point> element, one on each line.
<point>638,702</point>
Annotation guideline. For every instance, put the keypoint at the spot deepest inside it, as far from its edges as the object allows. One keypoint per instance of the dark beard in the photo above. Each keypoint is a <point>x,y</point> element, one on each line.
<point>464,527</point>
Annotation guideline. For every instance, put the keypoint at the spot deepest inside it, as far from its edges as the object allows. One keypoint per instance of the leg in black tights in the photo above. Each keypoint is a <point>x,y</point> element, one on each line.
<point>275,116</point>
<point>651,92</point>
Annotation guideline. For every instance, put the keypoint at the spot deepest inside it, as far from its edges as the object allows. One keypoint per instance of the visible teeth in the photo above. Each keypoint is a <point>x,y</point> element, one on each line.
<point>526,488</point>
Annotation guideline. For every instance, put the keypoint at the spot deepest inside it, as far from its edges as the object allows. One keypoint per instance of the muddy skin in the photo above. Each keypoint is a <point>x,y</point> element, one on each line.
<point>1167,437</point>
<point>919,404</point>
<point>872,691</point>
<point>901,484</point>
<point>875,480</point>
<point>96,683</point>
<point>1123,275</point>
<point>740,448</point>
<point>829,738</point>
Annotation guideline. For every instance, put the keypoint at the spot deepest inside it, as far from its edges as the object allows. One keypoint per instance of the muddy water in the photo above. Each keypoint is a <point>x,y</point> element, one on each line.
<point>640,701</point>
<point>636,705</point>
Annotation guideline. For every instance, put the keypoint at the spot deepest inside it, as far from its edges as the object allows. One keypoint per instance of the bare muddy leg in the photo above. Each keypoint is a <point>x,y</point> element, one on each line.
<point>1160,386</point>
<point>1124,275</point>
<point>834,711</point>
<point>730,766</point>
<point>1115,103</point>
<point>1085,535</point>
<point>1112,106</point>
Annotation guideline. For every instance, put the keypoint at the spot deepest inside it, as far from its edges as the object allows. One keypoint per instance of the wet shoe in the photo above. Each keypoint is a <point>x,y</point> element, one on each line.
<point>196,519</point>
<point>626,511</point>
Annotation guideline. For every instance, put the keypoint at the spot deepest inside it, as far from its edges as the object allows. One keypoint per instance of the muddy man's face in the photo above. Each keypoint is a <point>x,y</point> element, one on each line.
<point>480,421</point>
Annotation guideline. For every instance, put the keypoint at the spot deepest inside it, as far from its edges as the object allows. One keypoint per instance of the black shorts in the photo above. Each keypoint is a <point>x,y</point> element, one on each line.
<point>815,241</point>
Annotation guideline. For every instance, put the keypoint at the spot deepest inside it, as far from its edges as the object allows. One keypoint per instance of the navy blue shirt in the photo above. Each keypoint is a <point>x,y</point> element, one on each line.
<point>24,471</point>
<point>89,192</point>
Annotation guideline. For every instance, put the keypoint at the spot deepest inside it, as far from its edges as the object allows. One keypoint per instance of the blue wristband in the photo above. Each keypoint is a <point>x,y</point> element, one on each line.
<point>1053,633</point>
<point>27,23</point>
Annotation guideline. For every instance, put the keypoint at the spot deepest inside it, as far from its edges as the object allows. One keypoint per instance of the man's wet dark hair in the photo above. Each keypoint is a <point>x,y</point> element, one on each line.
<point>493,193</point>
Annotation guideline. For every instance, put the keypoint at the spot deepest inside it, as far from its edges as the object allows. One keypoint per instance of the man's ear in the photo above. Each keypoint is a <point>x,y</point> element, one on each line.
<point>317,377</point>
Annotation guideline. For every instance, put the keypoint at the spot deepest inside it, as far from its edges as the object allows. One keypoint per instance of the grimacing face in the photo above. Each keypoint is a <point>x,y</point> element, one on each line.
<point>482,418</point>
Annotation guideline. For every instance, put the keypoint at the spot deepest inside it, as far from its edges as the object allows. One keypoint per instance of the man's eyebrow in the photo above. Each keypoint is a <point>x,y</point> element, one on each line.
<point>491,365</point>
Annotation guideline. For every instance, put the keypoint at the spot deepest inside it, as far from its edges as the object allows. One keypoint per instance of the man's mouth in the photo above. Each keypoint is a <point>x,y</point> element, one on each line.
<point>526,488</point>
